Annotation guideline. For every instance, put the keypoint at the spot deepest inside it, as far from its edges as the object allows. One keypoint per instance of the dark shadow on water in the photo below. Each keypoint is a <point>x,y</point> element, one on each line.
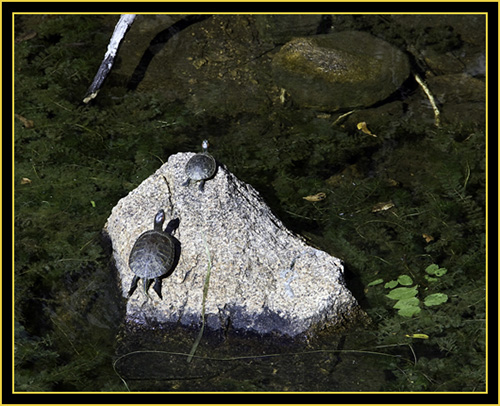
<point>157,44</point>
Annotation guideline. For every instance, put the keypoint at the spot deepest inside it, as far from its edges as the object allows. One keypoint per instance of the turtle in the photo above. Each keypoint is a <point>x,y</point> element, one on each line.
<point>152,256</point>
<point>200,167</point>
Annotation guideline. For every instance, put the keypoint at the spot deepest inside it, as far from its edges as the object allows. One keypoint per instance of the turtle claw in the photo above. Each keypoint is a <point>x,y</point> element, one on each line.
<point>147,283</point>
<point>186,183</point>
<point>133,285</point>
<point>202,185</point>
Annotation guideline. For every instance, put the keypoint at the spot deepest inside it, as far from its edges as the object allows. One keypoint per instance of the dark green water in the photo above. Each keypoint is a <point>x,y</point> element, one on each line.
<point>395,204</point>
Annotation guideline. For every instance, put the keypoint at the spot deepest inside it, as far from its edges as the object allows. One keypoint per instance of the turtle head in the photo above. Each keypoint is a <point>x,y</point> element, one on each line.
<point>205,145</point>
<point>159,220</point>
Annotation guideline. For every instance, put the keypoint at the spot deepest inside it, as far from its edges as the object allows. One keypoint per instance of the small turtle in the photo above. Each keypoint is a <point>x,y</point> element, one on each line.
<point>152,256</point>
<point>200,167</point>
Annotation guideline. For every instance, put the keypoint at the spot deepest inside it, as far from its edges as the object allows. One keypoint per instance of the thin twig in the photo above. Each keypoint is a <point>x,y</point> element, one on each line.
<point>431,99</point>
<point>205,291</point>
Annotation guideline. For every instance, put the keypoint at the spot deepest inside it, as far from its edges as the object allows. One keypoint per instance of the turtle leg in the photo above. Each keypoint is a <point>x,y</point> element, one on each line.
<point>157,287</point>
<point>202,185</point>
<point>133,285</point>
<point>186,183</point>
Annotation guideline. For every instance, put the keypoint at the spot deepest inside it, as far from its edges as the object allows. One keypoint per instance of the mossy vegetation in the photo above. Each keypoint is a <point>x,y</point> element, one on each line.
<point>395,204</point>
<point>437,218</point>
<point>71,166</point>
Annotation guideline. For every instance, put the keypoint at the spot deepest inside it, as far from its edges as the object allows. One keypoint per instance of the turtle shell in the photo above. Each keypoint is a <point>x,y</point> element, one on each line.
<point>201,166</point>
<point>152,254</point>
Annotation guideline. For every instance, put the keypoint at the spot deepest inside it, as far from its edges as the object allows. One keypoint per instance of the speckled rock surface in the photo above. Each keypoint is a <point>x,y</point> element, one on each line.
<point>338,71</point>
<point>263,278</point>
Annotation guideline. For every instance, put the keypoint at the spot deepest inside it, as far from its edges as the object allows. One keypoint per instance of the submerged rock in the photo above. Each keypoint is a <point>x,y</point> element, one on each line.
<point>263,278</point>
<point>342,70</point>
<point>280,28</point>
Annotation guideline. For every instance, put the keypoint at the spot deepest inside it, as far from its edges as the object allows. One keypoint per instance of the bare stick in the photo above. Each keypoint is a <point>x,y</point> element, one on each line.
<point>121,28</point>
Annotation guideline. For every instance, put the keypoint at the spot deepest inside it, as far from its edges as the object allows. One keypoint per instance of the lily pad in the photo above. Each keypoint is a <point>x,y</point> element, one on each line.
<point>435,299</point>
<point>434,269</point>
<point>409,311</point>
<point>375,282</point>
<point>391,284</point>
<point>410,302</point>
<point>405,280</point>
<point>441,271</point>
<point>402,293</point>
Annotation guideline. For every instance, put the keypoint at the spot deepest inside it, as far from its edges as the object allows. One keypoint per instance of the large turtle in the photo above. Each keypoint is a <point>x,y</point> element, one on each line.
<point>152,256</point>
<point>200,167</point>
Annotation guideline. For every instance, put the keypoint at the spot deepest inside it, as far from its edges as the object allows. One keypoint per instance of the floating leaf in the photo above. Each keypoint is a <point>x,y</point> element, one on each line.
<point>26,37</point>
<point>315,198</point>
<point>441,271</point>
<point>409,311</point>
<point>26,123</point>
<point>435,299</point>
<point>402,293</point>
<point>405,280</point>
<point>428,238</point>
<point>391,284</point>
<point>382,206</point>
<point>421,336</point>
<point>434,269</point>
<point>375,282</point>
<point>410,302</point>
<point>364,128</point>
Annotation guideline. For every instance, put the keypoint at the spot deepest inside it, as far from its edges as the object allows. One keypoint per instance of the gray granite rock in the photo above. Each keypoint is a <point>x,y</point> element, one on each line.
<point>263,278</point>
<point>342,70</point>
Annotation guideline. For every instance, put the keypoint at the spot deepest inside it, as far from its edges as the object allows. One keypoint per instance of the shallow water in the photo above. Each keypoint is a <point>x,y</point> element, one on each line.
<point>395,204</point>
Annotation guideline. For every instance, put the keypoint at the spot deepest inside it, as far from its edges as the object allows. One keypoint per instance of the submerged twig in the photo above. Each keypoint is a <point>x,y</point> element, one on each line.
<point>342,116</point>
<point>256,356</point>
<point>431,99</point>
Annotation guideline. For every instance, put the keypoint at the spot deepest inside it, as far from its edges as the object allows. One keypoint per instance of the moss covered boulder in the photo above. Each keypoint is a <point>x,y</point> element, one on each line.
<point>342,70</point>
